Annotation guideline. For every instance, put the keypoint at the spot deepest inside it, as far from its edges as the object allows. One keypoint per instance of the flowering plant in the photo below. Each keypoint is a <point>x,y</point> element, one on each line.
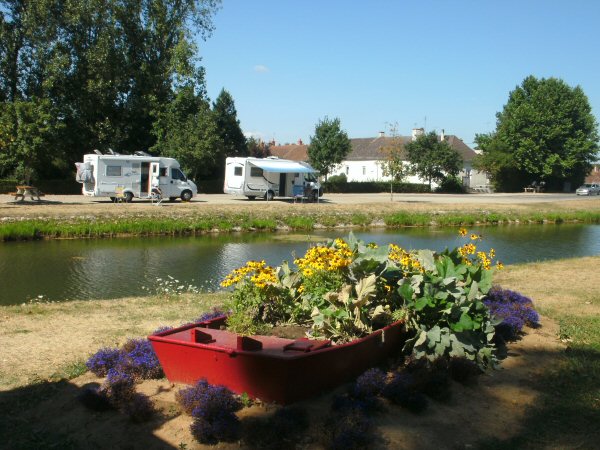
<point>345,289</point>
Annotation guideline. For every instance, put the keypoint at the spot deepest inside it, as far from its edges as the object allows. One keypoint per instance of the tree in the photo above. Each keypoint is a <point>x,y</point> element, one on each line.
<point>546,132</point>
<point>257,147</point>
<point>228,126</point>
<point>432,159</point>
<point>28,135</point>
<point>394,165</point>
<point>186,129</point>
<point>329,146</point>
<point>107,67</point>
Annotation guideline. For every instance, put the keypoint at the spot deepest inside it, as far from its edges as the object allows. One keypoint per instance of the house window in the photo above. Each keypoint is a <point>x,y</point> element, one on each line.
<point>256,172</point>
<point>113,171</point>
<point>347,170</point>
<point>364,170</point>
<point>237,171</point>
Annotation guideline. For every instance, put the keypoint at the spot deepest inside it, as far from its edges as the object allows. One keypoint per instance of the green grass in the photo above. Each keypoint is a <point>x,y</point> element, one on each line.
<point>568,414</point>
<point>30,229</point>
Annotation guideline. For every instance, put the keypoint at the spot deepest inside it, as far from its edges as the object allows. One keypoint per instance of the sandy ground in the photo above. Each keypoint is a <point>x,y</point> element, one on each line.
<point>72,206</point>
<point>494,407</point>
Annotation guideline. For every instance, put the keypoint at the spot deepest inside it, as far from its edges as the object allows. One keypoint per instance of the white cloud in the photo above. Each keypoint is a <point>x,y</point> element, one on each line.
<point>253,134</point>
<point>261,69</point>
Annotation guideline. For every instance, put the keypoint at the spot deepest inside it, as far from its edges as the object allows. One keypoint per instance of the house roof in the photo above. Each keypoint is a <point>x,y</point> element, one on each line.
<point>295,152</point>
<point>368,149</point>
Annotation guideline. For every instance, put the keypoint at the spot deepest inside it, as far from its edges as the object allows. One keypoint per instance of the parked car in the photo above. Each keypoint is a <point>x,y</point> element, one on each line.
<point>588,189</point>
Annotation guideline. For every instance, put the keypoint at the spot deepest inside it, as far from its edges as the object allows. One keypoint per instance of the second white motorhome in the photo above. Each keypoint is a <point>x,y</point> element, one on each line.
<point>271,177</point>
<point>130,176</point>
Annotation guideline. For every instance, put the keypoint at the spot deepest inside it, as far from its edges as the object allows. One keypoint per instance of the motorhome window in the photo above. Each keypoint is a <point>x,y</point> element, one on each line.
<point>113,171</point>
<point>310,177</point>
<point>256,172</point>
<point>237,171</point>
<point>177,174</point>
<point>162,172</point>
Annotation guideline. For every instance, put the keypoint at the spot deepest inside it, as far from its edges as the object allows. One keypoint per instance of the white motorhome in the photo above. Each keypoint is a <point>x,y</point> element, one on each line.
<point>270,177</point>
<point>128,176</point>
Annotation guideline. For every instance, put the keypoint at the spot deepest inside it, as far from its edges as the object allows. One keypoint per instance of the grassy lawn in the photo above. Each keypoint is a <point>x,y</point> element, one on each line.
<point>568,414</point>
<point>565,415</point>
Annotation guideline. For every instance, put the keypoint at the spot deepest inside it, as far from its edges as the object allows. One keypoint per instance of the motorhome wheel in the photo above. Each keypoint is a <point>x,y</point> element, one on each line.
<point>269,195</point>
<point>251,197</point>
<point>186,196</point>
<point>128,197</point>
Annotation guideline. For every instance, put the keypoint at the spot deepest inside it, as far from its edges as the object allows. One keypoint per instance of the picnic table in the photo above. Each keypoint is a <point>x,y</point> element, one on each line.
<point>27,191</point>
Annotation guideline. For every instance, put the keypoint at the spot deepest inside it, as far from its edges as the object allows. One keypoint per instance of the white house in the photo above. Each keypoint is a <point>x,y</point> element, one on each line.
<point>365,160</point>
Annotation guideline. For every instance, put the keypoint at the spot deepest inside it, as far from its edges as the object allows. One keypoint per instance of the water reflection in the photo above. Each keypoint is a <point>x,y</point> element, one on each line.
<point>80,269</point>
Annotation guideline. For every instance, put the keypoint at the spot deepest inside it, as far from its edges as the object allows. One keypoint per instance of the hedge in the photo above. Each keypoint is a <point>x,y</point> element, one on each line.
<point>367,187</point>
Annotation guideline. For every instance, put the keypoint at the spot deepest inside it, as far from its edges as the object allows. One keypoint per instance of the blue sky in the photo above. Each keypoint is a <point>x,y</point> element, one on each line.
<point>435,64</point>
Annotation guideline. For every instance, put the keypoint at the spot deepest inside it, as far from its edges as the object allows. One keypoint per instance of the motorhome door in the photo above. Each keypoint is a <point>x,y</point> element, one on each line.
<point>154,176</point>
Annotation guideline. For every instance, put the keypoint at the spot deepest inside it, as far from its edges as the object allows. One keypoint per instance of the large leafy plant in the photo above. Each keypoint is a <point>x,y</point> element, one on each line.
<point>346,289</point>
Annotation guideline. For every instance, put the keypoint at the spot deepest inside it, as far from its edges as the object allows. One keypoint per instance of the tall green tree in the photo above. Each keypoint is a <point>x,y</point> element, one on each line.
<point>329,146</point>
<point>29,130</point>
<point>545,132</point>
<point>186,130</point>
<point>107,66</point>
<point>228,126</point>
<point>432,159</point>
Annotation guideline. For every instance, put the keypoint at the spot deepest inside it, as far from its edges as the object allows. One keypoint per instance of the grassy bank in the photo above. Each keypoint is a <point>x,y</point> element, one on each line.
<point>192,224</point>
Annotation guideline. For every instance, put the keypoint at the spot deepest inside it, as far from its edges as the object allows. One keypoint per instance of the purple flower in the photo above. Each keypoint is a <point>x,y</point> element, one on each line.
<point>369,384</point>
<point>141,359</point>
<point>207,401</point>
<point>103,360</point>
<point>209,315</point>
<point>513,309</point>
<point>119,386</point>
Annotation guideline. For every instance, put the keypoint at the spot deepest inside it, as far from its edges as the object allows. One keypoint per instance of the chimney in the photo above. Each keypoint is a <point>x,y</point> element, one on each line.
<point>382,134</point>
<point>416,132</point>
<point>299,141</point>
<point>442,136</point>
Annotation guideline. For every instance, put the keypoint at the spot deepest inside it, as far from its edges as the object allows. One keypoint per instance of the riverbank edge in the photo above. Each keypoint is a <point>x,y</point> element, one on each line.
<point>23,229</point>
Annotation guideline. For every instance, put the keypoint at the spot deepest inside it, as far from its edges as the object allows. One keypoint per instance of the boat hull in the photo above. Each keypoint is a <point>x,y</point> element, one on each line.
<point>269,368</point>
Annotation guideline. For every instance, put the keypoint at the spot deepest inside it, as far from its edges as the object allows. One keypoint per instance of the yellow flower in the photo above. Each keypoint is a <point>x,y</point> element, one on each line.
<point>462,232</point>
<point>499,265</point>
<point>475,237</point>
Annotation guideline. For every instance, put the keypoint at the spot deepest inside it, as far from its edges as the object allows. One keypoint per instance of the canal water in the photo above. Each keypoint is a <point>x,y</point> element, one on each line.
<point>62,270</point>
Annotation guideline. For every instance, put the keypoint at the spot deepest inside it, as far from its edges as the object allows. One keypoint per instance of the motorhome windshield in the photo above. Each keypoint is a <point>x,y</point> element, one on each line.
<point>177,174</point>
<point>310,177</point>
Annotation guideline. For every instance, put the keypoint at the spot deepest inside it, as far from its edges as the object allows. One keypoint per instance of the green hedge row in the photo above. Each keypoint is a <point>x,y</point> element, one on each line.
<point>368,187</point>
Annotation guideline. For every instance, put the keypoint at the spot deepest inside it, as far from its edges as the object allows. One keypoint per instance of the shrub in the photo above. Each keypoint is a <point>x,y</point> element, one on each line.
<point>512,310</point>
<point>451,185</point>
<point>213,409</point>
<point>369,384</point>
<point>104,360</point>
<point>204,399</point>
<point>141,360</point>
<point>225,427</point>
<point>348,431</point>
<point>400,390</point>
<point>118,387</point>
<point>139,408</point>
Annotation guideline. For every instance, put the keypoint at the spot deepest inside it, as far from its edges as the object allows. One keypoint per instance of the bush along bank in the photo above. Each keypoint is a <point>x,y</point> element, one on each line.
<point>98,227</point>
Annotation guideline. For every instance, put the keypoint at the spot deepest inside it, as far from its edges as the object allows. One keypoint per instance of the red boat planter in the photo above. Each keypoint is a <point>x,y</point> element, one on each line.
<point>269,368</point>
